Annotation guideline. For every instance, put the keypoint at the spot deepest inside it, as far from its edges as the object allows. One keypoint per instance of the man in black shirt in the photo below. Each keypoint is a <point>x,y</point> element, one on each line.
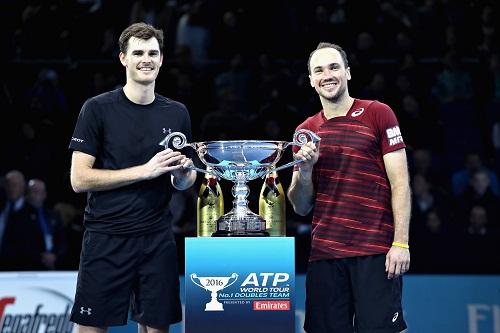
<point>129,255</point>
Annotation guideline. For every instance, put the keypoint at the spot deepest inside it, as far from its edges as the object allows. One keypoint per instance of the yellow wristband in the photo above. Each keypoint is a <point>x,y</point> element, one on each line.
<point>404,246</point>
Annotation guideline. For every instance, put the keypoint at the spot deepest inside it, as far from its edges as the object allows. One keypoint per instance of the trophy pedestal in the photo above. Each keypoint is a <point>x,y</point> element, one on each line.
<point>248,225</point>
<point>239,285</point>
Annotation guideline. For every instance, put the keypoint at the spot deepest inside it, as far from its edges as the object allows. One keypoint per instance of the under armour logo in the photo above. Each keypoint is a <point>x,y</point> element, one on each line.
<point>88,311</point>
<point>165,130</point>
<point>396,315</point>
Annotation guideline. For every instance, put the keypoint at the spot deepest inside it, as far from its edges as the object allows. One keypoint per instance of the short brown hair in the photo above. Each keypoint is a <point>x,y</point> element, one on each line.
<point>140,30</point>
<point>324,45</point>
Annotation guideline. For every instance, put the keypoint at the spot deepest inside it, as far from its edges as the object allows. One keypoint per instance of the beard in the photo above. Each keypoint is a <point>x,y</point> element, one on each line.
<point>332,97</point>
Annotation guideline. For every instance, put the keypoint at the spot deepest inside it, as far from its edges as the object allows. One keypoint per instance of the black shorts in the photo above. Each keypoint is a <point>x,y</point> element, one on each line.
<point>352,295</point>
<point>119,273</point>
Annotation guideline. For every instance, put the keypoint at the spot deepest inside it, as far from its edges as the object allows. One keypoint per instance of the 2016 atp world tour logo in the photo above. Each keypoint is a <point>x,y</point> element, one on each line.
<point>213,284</point>
<point>261,291</point>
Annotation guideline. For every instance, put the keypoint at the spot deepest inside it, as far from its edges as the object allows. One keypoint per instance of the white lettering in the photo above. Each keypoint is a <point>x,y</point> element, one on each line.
<point>265,276</point>
<point>395,141</point>
<point>475,316</point>
<point>392,132</point>
<point>280,277</point>
<point>496,318</point>
<point>252,279</point>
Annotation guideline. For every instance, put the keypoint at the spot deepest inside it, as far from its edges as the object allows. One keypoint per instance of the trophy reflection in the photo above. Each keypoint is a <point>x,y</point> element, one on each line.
<point>213,284</point>
<point>241,161</point>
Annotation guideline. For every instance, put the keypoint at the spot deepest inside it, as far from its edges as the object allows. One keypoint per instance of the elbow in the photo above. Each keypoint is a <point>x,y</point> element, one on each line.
<point>300,206</point>
<point>302,211</point>
<point>77,185</point>
<point>76,188</point>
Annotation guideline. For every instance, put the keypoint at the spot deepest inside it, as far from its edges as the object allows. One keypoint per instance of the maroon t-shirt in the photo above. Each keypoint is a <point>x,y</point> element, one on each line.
<point>352,214</point>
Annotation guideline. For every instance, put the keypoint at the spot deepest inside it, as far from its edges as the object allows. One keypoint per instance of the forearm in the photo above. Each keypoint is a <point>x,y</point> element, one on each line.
<point>183,179</point>
<point>301,192</point>
<point>91,179</point>
<point>401,210</point>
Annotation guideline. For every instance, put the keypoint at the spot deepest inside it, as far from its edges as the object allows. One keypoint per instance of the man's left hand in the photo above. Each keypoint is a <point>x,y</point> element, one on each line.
<point>397,262</point>
<point>183,171</point>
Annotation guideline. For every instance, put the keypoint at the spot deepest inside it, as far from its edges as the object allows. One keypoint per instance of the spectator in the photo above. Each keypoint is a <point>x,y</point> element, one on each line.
<point>452,83</point>
<point>13,201</point>
<point>46,98</point>
<point>193,32</point>
<point>478,221</point>
<point>426,199</point>
<point>23,242</point>
<point>50,226</point>
<point>460,179</point>
<point>478,193</point>
<point>231,36</point>
<point>426,163</point>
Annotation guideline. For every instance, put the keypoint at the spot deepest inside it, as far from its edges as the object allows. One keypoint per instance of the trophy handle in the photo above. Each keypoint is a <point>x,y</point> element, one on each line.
<point>179,141</point>
<point>303,136</point>
<point>300,138</point>
<point>193,276</point>
<point>235,276</point>
<point>284,166</point>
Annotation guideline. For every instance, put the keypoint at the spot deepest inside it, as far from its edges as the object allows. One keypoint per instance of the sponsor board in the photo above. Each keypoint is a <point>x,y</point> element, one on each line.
<point>240,284</point>
<point>36,302</point>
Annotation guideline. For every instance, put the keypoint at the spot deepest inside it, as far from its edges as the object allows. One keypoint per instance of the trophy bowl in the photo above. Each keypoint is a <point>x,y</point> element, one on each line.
<point>232,159</point>
<point>241,161</point>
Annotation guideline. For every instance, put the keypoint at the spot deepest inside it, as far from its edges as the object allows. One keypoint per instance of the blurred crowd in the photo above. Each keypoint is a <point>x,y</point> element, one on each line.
<point>435,62</point>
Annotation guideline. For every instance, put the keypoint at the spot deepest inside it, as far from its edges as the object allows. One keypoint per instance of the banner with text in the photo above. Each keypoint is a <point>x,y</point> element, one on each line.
<point>240,284</point>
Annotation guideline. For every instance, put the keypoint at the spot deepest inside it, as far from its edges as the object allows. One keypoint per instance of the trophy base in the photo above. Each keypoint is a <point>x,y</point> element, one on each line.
<point>224,233</point>
<point>250,225</point>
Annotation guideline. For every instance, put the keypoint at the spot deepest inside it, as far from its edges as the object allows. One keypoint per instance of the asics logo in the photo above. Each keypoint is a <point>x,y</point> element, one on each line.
<point>396,315</point>
<point>357,112</point>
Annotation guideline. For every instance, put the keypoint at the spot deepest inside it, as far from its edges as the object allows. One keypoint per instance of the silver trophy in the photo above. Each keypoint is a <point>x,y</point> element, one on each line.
<point>241,161</point>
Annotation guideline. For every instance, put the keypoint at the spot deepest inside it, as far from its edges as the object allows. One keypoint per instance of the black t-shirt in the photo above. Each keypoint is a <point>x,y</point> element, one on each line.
<point>121,134</point>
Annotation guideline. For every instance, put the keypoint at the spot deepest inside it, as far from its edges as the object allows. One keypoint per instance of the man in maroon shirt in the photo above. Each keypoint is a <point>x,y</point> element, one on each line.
<point>358,187</point>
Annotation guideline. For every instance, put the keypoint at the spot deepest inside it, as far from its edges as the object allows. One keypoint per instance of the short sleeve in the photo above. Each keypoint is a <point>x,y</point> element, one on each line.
<point>85,137</point>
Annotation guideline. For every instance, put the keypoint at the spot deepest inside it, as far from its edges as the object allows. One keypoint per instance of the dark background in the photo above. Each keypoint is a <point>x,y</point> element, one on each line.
<point>240,68</point>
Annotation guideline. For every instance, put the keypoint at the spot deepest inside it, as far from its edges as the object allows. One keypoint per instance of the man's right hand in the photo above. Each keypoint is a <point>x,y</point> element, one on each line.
<point>309,154</point>
<point>164,161</point>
